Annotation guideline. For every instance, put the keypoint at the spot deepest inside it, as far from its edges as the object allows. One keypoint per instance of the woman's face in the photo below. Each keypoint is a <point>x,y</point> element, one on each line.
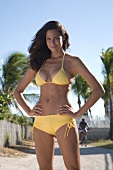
<point>54,40</point>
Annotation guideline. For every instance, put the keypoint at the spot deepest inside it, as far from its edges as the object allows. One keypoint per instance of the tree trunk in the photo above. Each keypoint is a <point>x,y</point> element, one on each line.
<point>90,113</point>
<point>79,102</point>
<point>111,120</point>
<point>107,113</point>
<point>110,136</point>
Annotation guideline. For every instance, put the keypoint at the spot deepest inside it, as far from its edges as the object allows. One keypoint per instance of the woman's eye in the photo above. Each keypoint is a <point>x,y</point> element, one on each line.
<point>56,38</point>
<point>48,39</point>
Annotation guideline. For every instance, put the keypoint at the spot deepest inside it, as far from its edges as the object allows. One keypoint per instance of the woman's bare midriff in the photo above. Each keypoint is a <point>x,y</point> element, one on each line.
<point>52,96</point>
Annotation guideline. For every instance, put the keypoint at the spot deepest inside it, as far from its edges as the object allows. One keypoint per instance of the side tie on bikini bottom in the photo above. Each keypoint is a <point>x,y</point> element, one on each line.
<point>68,127</point>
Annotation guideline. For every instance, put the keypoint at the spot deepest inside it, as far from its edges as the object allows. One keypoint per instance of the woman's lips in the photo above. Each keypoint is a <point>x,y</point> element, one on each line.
<point>53,47</point>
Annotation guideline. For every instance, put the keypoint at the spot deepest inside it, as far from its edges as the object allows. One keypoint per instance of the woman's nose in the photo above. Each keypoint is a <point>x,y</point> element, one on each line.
<point>53,41</point>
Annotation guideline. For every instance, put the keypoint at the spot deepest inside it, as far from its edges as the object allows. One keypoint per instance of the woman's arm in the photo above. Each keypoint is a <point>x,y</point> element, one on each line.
<point>25,81</point>
<point>78,67</point>
<point>97,89</point>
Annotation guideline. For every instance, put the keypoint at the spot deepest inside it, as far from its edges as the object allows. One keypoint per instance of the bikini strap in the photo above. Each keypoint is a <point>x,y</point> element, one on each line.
<point>42,66</point>
<point>63,60</point>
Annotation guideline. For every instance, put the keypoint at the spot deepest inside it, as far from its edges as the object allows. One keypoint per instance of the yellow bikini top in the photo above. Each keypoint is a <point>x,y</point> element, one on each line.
<point>60,78</point>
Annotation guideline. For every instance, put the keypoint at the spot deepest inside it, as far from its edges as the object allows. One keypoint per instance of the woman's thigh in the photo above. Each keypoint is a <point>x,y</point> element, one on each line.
<point>44,145</point>
<point>69,146</point>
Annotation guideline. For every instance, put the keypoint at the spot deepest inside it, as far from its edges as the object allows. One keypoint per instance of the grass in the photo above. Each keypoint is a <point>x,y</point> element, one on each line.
<point>26,147</point>
<point>18,150</point>
<point>102,143</point>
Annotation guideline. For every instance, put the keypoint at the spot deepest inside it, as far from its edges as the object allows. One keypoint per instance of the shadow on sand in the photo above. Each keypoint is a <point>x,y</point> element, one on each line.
<point>24,149</point>
<point>98,150</point>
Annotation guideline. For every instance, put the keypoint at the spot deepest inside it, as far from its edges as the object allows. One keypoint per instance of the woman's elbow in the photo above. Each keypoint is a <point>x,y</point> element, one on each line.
<point>101,91</point>
<point>16,93</point>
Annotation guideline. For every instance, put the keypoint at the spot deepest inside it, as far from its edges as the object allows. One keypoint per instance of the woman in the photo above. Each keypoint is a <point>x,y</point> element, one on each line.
<point>54,70</point>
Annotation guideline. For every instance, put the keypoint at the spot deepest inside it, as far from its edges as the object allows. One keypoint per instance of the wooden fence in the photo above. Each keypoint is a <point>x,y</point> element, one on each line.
<point>11,134</point>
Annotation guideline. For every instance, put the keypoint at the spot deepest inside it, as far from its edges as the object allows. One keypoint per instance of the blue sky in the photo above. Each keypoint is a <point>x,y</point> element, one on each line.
<point>89,24</point>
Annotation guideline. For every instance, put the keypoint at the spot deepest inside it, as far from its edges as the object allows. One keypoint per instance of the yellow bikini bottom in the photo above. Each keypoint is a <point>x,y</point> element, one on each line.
<point>51,123</point>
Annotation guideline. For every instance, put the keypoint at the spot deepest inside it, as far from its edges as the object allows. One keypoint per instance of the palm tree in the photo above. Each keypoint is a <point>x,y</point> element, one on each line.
<point>85,93</point>
<point>76,87</point>
<point>81,89</point>
<point>5,113</point>
<point>106,99</point>
<point>13,70</point>
<point>107,60</point>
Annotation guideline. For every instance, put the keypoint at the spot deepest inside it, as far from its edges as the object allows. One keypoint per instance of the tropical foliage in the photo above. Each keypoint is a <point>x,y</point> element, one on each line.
<point>6,114</point>
<point>81,89</point>
<point>107,70</point>
<point>13,69</point>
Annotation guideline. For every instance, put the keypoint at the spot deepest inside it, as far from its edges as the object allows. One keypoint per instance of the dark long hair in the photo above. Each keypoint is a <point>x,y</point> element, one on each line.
<point>38,49</point>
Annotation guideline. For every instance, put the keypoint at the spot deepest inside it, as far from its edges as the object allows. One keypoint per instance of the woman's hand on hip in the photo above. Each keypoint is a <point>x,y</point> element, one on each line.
<point>37,110</point>
<point>66,110</point>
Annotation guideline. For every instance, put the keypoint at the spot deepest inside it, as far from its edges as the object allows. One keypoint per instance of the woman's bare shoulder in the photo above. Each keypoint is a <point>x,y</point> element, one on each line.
<point>76,65</point>
<point>31,71</point>
<point>73,60</point>
<point>72,63</point>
